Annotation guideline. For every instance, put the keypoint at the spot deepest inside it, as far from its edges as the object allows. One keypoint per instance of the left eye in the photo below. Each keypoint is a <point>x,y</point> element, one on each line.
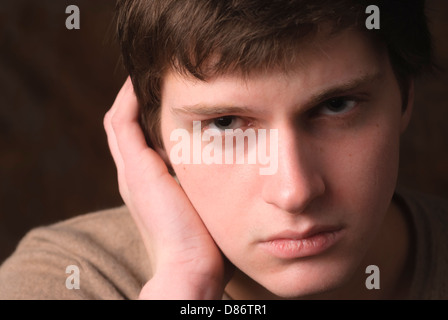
<point>337,106</point>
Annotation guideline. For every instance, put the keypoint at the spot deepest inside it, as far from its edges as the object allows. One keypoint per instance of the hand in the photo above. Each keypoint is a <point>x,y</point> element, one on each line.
<point>186,262</point>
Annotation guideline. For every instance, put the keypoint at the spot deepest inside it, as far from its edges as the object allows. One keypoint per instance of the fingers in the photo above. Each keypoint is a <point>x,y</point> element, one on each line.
<point>112,139</point>
<point>135,161</point>
<point>167,221</point>
<point>122,120</point>
<point>129,136</point>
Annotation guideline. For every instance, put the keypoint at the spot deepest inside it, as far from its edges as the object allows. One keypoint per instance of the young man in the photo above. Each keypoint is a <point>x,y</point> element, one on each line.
<point>335,98</point>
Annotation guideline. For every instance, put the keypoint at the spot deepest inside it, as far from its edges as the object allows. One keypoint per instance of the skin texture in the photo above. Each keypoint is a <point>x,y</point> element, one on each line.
<point>332,171</point>
<point>336,169</point>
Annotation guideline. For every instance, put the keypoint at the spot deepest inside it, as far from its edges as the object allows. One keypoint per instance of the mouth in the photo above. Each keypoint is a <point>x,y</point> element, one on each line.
<point>294,245</point>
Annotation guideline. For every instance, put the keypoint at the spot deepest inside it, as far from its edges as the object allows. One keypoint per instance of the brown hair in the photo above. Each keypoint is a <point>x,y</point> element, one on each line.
<point>250,35</point>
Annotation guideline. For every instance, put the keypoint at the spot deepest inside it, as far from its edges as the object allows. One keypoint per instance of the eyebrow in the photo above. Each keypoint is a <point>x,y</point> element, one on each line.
<point>204,109</point>
<point>343,88</point>
<point>316,98</point>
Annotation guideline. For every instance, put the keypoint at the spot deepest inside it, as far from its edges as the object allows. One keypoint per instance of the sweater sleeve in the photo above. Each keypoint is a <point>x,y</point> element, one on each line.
<point>94,256</point>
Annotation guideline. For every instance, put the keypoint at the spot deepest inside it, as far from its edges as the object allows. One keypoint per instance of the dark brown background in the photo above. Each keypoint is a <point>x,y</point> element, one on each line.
<point>56,84</point>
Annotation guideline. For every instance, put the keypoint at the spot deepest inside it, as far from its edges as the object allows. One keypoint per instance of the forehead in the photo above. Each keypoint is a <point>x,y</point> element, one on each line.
<point>329,60</point>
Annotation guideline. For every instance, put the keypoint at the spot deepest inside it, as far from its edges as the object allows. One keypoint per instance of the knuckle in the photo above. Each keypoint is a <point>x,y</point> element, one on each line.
<point>107,119</point>
<point>115,122</point>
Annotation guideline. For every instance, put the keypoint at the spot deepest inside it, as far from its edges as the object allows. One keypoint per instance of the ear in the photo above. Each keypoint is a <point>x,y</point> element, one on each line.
<point>407,111</point>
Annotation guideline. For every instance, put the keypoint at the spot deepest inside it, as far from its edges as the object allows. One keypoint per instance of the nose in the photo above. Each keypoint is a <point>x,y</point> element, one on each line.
<point>298,180</point>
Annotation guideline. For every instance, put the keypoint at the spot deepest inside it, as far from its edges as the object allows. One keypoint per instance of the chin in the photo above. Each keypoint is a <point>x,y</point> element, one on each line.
<point>309,282</point>
<point>304,291</point>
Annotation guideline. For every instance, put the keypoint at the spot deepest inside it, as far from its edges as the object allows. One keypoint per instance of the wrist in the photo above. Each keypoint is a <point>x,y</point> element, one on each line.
<point>185,286</point>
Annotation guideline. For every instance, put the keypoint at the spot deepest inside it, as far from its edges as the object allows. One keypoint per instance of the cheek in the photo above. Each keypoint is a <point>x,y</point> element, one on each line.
<point>366,178</point>
<point>224,198</point>
<point>201,183</point>
<point>373,160</point>
<point>219,193</point>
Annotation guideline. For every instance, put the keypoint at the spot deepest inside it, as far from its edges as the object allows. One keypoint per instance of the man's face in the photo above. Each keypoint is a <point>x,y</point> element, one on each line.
<point>305,228</point>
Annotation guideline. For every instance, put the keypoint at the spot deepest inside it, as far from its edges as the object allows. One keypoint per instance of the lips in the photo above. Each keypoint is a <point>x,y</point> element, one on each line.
<point>293,245</point>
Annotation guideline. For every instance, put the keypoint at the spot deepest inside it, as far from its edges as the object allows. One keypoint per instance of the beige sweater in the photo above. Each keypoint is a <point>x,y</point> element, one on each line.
<point>107,249</point>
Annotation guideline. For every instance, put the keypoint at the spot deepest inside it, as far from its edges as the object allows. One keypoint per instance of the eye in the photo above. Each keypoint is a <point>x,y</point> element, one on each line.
<point>225,122</point>
<point>337,106</point>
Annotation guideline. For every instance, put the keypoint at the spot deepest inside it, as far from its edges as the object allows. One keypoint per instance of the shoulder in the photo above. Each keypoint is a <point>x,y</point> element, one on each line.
<point>429,215</point>
<point>104,246</point>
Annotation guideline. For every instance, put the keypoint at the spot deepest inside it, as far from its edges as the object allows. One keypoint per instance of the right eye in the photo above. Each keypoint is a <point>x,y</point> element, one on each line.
<point>225,122</point>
